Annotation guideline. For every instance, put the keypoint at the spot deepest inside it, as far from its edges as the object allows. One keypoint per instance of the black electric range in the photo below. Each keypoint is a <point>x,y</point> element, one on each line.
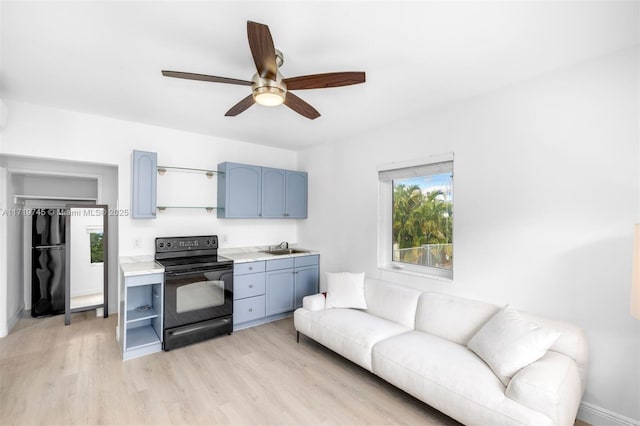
<point>198,290</point>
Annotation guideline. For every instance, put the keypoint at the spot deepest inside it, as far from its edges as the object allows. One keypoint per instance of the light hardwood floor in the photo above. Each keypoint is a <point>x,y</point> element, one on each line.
<point>54,375</point>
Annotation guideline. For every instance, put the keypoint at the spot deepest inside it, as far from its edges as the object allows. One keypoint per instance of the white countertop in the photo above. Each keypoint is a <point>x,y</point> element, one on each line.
<point>256,256</point>
<point>144,264</point>
<point>141,268</point>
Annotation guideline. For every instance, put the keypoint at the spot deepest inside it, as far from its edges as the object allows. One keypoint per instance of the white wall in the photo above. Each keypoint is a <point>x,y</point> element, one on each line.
<point>15,248</point>
<point>53,133</point>
<point>3,252</point>
<point>41,132</point>
<point>60,186</point>
<point>546,194</point>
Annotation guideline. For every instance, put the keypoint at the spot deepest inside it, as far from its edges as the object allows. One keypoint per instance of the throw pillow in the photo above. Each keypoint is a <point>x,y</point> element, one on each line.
<point>508,342</point>
<point>345,290</point>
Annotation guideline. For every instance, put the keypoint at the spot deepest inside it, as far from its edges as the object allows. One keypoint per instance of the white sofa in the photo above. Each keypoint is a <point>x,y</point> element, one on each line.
<point>417,342</point>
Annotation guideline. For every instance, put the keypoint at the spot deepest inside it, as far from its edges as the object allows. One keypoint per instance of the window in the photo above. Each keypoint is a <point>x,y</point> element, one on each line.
<point>416,226</point>
<point>96,247</point>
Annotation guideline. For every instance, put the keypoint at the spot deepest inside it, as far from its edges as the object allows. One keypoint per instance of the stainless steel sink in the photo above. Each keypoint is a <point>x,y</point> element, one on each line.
<point>282,252</point>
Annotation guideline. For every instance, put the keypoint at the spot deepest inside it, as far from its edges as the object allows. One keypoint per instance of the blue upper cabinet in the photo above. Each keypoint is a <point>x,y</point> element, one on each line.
<point>246,191</point>
<point>296,195</point>
<point>239,191</point>
<point>143,188</point>
<point>273,193</point>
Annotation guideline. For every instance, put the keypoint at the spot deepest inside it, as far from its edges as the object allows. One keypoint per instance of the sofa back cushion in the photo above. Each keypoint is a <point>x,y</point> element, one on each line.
<point>392,302</point>
<point>452,318</point>
<point>458,320</point>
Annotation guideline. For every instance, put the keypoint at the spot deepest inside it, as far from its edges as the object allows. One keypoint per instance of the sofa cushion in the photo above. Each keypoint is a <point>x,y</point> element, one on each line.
<point>551,386</point>
<point>572,342</point>
<point>458,320</point>
<point>391,301</point>
<point>345,290</point>
<point>453,318</point>
<point>450,378</point>
<point>349,332</point>
<point>509,342</point>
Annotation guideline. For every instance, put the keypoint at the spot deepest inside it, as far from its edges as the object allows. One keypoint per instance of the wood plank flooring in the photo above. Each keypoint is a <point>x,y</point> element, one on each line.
<point>53,375</point>
<point>56,375</point>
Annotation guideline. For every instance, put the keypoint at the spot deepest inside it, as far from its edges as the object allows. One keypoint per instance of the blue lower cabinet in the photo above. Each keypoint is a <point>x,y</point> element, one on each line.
<point>269,290</point>
<point>280,288</point>
<point>249,309</point>
<point>306,279</point>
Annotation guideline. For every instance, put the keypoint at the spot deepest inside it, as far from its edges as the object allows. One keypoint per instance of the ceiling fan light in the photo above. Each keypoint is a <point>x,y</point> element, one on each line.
<point>269,96</point>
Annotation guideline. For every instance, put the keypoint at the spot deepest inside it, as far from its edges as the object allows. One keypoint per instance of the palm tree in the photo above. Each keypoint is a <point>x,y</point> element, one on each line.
<point>420,219</point>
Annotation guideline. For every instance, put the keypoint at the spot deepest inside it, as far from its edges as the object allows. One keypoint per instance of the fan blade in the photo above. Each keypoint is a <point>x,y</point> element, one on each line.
<point>262,49</point>
<point>203,77</point>
<point>320,81</point>
<point>300,106</point>
<point>240,106</point>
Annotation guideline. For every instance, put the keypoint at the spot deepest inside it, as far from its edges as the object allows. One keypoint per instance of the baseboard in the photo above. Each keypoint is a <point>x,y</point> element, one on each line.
<point>13,320</point>
<point>598,416</point>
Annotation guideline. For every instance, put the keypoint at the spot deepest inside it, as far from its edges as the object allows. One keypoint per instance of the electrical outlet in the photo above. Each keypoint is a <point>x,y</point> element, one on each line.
<point>136,243</point>
<point>224,238</point>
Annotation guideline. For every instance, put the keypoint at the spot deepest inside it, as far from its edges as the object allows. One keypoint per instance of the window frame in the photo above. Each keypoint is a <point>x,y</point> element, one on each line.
<point>385,219</point>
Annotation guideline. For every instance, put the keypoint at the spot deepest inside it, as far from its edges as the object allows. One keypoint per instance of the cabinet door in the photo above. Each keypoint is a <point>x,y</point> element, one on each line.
<point>239,191</point>
<point>306,280</point>
<point>279,291</point>
<point>143,191</point>
<point>249,309</point>
<point>296,195</point>
<point>273,192</point>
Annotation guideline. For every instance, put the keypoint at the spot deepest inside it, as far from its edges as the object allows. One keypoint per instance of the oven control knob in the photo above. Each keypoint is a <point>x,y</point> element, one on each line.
<point>168,244</point>
<point>207,242</point>
<point>161,245</point>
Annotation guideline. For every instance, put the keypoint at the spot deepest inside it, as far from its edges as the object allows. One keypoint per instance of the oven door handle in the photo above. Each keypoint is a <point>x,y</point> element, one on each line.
<point>198,271</point>
<point>181,274</point>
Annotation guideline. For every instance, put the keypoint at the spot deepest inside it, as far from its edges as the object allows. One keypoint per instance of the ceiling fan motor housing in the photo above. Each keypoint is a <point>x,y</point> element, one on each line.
<point>268,92</point>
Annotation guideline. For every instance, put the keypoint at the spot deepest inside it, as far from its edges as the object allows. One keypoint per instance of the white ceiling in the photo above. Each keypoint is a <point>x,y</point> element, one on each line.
<point>105,57</point>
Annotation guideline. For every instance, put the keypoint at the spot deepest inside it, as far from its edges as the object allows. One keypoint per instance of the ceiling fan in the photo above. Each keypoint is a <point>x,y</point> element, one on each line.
<point>268,86</point>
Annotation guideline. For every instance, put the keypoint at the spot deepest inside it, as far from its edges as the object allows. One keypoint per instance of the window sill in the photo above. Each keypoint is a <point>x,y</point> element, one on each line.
<point>415,273</point>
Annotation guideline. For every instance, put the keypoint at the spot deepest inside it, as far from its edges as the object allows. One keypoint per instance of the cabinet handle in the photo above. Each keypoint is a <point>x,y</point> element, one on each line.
<point>251,268</point>
<point>250,309</point>
<point>250,285</point>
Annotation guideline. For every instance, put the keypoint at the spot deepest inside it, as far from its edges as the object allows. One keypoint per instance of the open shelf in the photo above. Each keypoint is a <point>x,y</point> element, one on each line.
<point>208,173</point>
<point>135,315</point>
<point>209,209</point>
<point>141,336</point>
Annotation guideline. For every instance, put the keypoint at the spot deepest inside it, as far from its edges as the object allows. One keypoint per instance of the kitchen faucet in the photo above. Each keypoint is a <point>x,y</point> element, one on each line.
<point>282,245</point>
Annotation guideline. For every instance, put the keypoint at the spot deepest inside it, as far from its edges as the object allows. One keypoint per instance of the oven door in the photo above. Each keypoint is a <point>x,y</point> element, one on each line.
<point>197,295</point>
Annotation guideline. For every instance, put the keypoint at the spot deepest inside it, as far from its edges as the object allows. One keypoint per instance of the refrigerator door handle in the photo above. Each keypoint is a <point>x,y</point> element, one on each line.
<point>58,247</point>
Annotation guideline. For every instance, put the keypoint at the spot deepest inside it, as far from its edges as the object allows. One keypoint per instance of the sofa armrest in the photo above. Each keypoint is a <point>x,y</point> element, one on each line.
<point>315,302</point>
<point>550,386</point>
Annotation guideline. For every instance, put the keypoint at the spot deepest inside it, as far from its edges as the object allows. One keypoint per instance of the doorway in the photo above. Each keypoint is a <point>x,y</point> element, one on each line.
<point>35,182</point>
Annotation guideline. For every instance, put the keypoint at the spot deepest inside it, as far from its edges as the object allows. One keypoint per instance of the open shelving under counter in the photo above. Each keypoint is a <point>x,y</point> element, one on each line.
<point>141,304</point>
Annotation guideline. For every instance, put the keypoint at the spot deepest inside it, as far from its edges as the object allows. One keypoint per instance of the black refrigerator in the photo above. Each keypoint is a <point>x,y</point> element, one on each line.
<point>47,263</point>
